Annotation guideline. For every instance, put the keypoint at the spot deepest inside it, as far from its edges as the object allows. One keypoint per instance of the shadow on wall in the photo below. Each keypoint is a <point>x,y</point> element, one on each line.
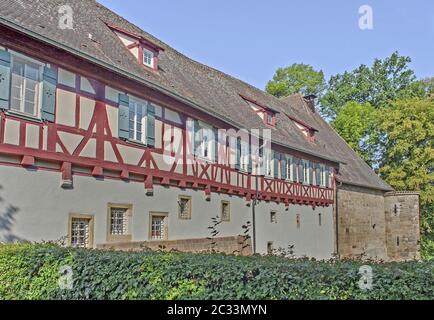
<point>7,220</point>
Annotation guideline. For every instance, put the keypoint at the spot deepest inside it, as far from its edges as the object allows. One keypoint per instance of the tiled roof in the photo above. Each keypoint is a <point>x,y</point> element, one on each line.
<point>203,87</point>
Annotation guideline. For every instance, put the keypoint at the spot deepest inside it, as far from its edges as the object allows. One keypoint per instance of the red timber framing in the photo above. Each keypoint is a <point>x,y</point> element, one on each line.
<point>209,177</point>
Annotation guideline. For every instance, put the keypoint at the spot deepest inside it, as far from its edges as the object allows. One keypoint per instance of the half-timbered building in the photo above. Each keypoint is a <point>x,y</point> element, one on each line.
<point>111,138</point>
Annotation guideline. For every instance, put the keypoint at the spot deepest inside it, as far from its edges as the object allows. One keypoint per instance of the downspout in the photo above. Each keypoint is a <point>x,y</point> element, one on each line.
<point>337,216</point>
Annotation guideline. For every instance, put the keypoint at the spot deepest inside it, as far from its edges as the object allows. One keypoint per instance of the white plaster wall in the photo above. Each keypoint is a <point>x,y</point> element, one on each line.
<point>43,209</point>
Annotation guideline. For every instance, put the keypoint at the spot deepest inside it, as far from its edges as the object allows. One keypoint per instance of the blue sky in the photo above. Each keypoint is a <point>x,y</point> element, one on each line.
<point>251,39</point>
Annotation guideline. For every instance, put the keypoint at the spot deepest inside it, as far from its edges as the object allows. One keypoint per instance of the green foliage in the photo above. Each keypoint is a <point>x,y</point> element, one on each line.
<point>385,80</point>
<point>356,123</point>
<point>297,78</point>
<point>31,272</point>
<point>408,157</point>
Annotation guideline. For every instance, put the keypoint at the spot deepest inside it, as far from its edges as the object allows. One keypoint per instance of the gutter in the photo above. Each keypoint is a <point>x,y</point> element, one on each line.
<point>364,185</point>
<point>154,86</point>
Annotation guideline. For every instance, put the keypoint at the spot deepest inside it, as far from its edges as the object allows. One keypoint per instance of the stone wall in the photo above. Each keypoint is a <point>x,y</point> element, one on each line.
<point>361,223</point>
<point>228,245</point>
<point>377,225</point>
<point>402,225</point>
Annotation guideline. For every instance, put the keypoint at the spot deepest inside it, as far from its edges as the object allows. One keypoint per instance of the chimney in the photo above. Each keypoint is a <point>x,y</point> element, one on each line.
<point>310,101</point>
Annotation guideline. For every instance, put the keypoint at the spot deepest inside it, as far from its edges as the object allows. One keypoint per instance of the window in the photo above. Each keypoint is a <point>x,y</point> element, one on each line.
<point>269,118</point>
<point>319,219</point>
<point>323,176</point>
<point>245,155</point>
<point>25,86</point>
<point>81,231</point>
<point>158,226</point>
<point>289,169</point>
<point>267,163</point>
<point>270,247</point>
<point>148,58</point>
<point>273,217</point>
<point>396,209</point>
<point>138,120</point>
<point>119,221</point>
<point>225,211</point>
<point>184,203</point>
<point>297,220</point>
<point>205,141</point>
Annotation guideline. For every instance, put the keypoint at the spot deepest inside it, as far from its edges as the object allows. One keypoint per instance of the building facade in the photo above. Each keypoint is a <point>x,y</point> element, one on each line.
<point>111,138</point>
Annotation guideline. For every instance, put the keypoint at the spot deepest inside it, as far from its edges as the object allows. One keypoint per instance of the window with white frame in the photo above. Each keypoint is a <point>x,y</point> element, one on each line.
<point>268,163</point>
<point>289,169</point>
<point>138,120</point>
<point>25,85</point>
<point>205,137</point>
<point>119,220</point>
<point>148,58</point>
<point>158,227</point>
<point>322,175</point>
<point>245,155</point>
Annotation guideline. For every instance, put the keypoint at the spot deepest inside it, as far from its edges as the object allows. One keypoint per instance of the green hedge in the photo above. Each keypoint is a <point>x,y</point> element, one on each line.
<point>32,272</point>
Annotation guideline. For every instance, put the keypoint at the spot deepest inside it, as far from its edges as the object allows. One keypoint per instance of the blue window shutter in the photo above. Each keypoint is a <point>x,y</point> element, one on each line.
<point>150,125</point>
<point>124,116</point>
<point>318,174</point>
<point>196,140</point>
<point>311,172</point>
<point>5,78</point>
<point>49,84</point>
<point>283,172</point>
<point>249,166</point>
<point>238,159</point>
<point>276,164</point>
<point>327,176</point>
<point>216,144</point>
<point>295,168</point>
<point>301,171</point>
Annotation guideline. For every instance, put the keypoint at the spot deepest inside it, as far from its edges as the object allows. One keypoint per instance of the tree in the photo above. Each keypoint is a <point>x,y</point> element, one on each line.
<point>356,123</point>
<point>297,78</point>
<point>408,156</point>
<point>385,80</point>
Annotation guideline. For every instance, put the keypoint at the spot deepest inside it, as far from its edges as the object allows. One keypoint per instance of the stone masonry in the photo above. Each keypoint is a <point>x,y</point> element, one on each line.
<point>377,225</point>
<point>229,245</point>
<point>402,225</point>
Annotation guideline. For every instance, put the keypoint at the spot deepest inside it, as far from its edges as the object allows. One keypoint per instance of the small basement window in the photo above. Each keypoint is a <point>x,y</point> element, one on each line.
<point>81,231</point>
<point>158,226</point>
<point>184,211</point>
<point>270,247</point>
<point>119,221</point>
<point>226,211</point>
<point>273,217</point>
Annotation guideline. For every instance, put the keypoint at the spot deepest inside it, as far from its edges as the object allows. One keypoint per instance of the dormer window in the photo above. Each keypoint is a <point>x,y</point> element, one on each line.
<point>306,129</point>
<point>145,51</point>
<point>270,119</point>
<point>148,58</point>
<point>267,114</point>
